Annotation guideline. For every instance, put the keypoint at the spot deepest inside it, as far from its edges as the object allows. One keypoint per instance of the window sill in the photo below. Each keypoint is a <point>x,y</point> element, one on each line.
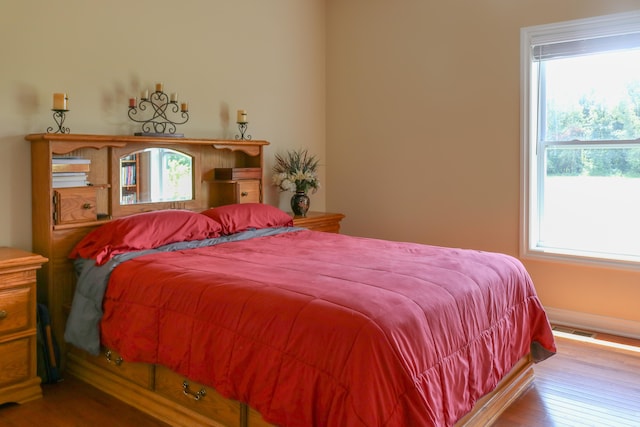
<point>585,258</point>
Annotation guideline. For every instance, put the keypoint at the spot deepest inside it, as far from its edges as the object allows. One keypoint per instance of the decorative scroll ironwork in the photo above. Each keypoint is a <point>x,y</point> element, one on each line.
<point>242,127</point>
<point>59,116</point>
<point>157,106</point>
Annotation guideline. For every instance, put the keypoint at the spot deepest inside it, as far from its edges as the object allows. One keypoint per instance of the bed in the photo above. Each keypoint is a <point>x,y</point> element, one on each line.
<point>295,327</point>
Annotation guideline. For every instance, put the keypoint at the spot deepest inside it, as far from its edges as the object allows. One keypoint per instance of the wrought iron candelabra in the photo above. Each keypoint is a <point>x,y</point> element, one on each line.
<point>157,107</point>
<point>242,127</point>
<point>58,117</point>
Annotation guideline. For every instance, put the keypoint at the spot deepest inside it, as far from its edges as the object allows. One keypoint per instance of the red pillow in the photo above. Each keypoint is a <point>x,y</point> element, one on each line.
<point>243,216</point>
<point>144,231</point>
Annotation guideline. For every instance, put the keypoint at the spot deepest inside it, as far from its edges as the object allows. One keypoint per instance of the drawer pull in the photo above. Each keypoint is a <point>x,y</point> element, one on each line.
<point>87,206</point>
<point>116,362</point>
<point>244,194</point>
<point>3,314</point>
<point>196,396</point>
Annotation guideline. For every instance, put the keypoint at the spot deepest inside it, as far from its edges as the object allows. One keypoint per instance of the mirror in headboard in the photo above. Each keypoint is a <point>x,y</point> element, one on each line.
<point>146,178</point>
<point>155,175</point>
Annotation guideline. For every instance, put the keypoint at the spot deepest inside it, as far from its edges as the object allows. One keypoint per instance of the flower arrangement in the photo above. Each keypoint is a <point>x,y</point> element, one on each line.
<point>296,171</point>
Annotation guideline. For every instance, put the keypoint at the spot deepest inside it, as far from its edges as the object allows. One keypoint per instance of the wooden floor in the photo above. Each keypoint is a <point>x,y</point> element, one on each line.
<point>73,403</point>
<point>585,384</point>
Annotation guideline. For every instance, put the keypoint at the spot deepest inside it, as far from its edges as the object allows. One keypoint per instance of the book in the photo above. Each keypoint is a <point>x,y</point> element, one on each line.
<point>69,179</point>
<point>70,160</point>
<point>70,164</point>
<point>69,184</point>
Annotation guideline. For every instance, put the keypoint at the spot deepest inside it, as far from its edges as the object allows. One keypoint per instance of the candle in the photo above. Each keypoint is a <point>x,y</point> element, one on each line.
<point>174,97</point>
<point>158,87</point>
<point>144,94</point>
<point>133,102</point>
<point>184,107</point>
<point>242,116</point>
<point>60,101</point>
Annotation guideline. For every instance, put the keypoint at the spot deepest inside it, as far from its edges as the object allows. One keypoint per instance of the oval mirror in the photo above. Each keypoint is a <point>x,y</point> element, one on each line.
<point>155,175</point>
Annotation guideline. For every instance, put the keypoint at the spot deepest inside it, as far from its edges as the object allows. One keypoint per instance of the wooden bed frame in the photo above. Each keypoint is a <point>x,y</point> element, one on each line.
<point>171,404</point>
<point>152,388</point>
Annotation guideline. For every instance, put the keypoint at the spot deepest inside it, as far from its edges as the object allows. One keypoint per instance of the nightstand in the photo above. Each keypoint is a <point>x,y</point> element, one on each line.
<point>18,359</point>
<point>319,221</point>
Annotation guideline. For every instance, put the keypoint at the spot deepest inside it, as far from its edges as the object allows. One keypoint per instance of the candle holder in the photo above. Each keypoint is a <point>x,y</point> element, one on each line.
<point>158,105</point>
<point>58,117</point>
<point>242,127</point>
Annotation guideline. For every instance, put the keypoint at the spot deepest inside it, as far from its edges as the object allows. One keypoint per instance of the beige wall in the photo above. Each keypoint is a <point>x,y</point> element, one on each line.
<point>421,101</point>
<point>267,57</point>
<point>423,136</point>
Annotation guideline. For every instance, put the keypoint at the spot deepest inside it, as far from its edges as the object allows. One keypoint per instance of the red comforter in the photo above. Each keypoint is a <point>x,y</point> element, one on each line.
<point>323,329</point>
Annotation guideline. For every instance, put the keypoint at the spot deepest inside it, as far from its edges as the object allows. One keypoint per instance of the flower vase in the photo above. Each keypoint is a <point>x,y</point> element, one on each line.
<point>300,203</point>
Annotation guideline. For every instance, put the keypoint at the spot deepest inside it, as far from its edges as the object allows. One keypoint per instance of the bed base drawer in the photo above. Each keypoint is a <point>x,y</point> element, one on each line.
<point>141,374</point>
<point>166,401</point>
<point>202,399</point>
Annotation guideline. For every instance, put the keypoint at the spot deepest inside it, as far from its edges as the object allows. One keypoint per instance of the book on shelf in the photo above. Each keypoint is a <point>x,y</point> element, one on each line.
<point>128,175</point>
<point>70,164</point>
<point>69,179</point>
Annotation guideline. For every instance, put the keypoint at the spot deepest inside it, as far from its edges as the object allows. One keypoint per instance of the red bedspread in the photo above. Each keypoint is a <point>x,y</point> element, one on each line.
<point>323,329</point>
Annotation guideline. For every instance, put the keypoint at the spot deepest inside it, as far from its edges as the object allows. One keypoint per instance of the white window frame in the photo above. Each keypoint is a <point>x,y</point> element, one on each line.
<point>610,25</point>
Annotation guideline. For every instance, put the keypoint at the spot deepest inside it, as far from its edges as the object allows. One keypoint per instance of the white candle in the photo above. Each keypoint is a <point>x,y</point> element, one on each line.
<point>59,101</point>
<point>174,97</point>
<point>242,116</point>
<point>144,94</point>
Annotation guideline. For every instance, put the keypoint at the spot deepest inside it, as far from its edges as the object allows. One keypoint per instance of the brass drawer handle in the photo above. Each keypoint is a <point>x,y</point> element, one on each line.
<point>244,194</point>
<point>3,314</point>
<point>87,206</point>
<point>196,396</point>
<point>116,362</point>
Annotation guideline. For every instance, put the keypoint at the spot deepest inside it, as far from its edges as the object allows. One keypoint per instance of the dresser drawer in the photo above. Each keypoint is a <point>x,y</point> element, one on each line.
<point>15,361</point>
<point>202,399</point>
<point>75,204</point>
<point>138,373</point>
<point>16,278</point>
<point>15,310</point>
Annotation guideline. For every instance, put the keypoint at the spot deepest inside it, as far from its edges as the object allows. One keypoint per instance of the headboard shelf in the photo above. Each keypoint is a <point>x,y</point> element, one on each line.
<point>57,228</point>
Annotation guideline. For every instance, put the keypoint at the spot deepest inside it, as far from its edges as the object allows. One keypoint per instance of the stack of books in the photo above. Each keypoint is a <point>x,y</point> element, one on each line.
<point>70,171</point>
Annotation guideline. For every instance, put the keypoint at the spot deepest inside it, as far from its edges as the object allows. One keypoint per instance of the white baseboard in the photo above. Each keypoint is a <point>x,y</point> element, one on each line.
<point>594,322</point>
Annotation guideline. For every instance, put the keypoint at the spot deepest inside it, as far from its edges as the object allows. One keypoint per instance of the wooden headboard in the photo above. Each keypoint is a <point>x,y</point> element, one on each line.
<point>62,216</point>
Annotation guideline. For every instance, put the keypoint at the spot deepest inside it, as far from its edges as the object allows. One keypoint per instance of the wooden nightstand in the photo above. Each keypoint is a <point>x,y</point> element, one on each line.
<point>18,359</point>
<point>319,221</point>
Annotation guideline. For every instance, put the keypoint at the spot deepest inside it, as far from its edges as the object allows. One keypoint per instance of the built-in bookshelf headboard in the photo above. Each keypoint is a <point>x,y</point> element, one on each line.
<point>62,215</point>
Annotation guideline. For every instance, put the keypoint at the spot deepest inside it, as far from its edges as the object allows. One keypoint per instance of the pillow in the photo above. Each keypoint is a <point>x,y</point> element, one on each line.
<point>243,216</point>
<point>144,231</point>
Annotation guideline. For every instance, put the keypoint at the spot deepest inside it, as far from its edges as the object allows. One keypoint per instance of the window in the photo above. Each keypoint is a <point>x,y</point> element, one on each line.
<point>581,139</point>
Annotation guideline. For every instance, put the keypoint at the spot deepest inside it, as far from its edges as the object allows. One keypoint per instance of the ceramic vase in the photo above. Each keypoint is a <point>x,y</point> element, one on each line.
<point>300,203</point>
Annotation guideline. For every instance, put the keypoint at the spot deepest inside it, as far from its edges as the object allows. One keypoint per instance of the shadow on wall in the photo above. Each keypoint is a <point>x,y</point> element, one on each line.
<point>27,105</point>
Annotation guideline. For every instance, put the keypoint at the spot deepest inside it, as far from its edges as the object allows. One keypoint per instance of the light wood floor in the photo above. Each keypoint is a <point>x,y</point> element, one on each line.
<point>585,384</point>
